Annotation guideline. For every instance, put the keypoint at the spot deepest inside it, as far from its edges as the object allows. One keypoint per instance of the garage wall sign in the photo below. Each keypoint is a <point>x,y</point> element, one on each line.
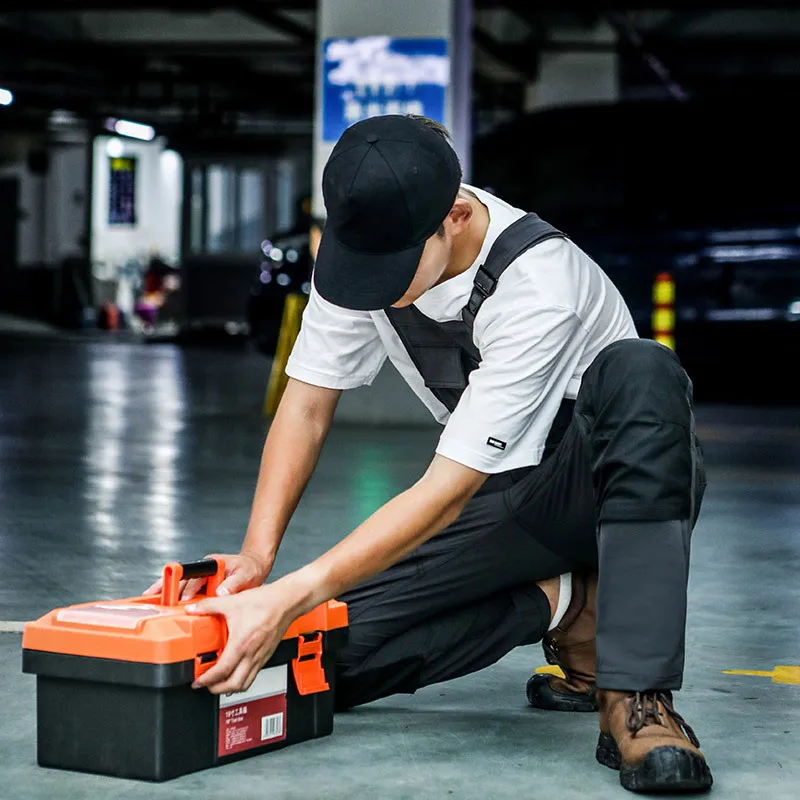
<point>371,76</point>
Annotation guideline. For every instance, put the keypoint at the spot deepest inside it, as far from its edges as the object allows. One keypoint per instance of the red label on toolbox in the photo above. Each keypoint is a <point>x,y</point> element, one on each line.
<point>256,717</point>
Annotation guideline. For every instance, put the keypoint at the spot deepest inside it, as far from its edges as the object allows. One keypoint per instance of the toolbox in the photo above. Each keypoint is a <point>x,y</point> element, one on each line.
<point>114,684</point>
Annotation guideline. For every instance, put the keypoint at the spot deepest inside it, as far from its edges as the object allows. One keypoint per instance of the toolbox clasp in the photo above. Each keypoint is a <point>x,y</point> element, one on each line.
<point>309,675</point>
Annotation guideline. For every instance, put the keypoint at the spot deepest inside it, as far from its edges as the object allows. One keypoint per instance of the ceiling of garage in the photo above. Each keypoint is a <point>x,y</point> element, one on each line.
<point>204,69</point>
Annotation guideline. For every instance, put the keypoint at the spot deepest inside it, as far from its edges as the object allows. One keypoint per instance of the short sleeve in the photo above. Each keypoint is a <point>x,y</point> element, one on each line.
<point>505,414</point>
<point>337,348</point>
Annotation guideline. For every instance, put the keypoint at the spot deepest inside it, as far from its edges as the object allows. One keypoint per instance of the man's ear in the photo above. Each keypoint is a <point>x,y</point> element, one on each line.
<point>459,216</point>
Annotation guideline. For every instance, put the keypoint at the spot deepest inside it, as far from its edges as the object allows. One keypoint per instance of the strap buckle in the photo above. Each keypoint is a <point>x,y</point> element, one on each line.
<point>484,283</point>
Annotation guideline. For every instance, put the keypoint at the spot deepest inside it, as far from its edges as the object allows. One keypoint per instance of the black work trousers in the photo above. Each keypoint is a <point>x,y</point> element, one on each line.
<point>620,492</point>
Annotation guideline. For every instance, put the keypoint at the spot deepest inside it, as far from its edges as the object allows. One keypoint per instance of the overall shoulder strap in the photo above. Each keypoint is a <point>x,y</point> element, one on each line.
<point>518,237</point>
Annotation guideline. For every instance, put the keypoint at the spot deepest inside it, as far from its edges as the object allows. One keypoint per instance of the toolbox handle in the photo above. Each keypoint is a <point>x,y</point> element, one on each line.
<point>175,572</point>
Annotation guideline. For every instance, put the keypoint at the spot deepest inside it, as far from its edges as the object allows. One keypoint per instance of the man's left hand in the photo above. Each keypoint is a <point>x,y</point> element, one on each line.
<point>257,620</point>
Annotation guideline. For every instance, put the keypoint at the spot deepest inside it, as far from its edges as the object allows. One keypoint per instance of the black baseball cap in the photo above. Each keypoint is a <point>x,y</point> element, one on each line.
<point>388,186</point>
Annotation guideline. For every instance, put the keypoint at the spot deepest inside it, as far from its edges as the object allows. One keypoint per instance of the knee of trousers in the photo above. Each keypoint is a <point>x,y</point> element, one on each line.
<point>346,690</point>
<point>638,379</point>
<point>349,669</point>
<point>363,640</point>
<point>360,680</point>
<point>637,402</point>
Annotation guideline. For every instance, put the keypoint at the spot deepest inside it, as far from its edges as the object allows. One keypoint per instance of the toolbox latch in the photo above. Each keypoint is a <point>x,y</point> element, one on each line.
<point>309,676</point>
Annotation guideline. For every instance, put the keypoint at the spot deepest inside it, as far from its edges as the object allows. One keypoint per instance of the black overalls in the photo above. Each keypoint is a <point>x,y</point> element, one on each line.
<point>619,485</point>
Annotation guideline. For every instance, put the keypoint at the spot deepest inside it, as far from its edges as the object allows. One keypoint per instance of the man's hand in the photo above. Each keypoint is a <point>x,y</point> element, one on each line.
<point>247,570</point>
<point>257,620</point>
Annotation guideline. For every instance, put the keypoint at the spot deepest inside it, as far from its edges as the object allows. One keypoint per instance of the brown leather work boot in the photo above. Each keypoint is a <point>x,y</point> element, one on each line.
<point>571,647</point>
<point>650,744</point>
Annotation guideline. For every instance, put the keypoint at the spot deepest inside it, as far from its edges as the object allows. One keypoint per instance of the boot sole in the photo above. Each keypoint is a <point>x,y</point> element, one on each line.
<point>541,695</point>
<point>665,770</point>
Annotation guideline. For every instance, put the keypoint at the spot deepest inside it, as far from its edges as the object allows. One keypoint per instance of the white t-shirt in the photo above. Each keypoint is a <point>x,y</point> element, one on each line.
<point>552,312</point>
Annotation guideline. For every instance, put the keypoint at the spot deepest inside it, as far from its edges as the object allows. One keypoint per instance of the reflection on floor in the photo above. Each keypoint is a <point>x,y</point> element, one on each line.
<point>117,458</point>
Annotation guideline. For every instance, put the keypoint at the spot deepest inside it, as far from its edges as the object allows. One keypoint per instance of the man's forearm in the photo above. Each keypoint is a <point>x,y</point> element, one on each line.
<point>390,534</point>
<point>290,455</point>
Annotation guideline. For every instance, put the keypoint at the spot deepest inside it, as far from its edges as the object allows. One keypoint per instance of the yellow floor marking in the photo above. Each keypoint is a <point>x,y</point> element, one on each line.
<point>788,675</point>
<point>781,674</point>
<point>557,671</point>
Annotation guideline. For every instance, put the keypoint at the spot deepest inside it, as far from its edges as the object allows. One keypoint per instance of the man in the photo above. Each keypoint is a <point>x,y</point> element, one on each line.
<point>568,445</point>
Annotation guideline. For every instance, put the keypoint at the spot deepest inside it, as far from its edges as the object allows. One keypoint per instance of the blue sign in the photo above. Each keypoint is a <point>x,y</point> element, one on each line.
<point>375,75</point>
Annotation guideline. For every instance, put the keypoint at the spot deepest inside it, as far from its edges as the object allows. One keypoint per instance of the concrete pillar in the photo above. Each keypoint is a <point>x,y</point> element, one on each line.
<point>359,82</point>
<point>373,58</point>
<point>579,76</point>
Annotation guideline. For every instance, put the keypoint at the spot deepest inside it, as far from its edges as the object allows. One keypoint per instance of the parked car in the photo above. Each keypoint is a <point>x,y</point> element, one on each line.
<point>285,268</point>
<point>704,193</point>
<point>737,303</point>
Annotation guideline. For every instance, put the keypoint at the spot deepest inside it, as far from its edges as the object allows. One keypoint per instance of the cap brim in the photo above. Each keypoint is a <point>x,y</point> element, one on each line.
<point>363,281</point>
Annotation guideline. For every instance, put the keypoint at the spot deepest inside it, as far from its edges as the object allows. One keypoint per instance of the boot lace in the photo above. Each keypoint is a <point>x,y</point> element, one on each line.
<point>644,711</point>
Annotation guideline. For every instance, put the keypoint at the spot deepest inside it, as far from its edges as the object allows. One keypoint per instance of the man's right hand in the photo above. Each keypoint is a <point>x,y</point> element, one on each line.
<point>246,570</point>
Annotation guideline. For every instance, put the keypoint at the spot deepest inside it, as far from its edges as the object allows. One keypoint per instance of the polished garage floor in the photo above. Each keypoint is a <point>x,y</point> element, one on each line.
<point>115,458</point>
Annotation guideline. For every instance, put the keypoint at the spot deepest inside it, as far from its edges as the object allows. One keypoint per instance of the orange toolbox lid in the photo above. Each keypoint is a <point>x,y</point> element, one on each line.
<point>156,630</point>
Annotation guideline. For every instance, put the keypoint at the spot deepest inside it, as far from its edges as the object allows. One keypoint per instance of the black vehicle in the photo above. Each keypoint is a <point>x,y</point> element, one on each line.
<point>737,303</point>
<point>706,194</point>
<point>284,269</point>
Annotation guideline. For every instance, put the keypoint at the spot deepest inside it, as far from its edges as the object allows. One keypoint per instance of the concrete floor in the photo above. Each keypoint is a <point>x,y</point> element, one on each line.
<point>115,458</point>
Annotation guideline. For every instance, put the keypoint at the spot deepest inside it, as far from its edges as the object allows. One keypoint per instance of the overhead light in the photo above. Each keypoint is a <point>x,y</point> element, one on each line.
<point>114,147</point>
<point>136,130</point>
<point>6,97</point>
